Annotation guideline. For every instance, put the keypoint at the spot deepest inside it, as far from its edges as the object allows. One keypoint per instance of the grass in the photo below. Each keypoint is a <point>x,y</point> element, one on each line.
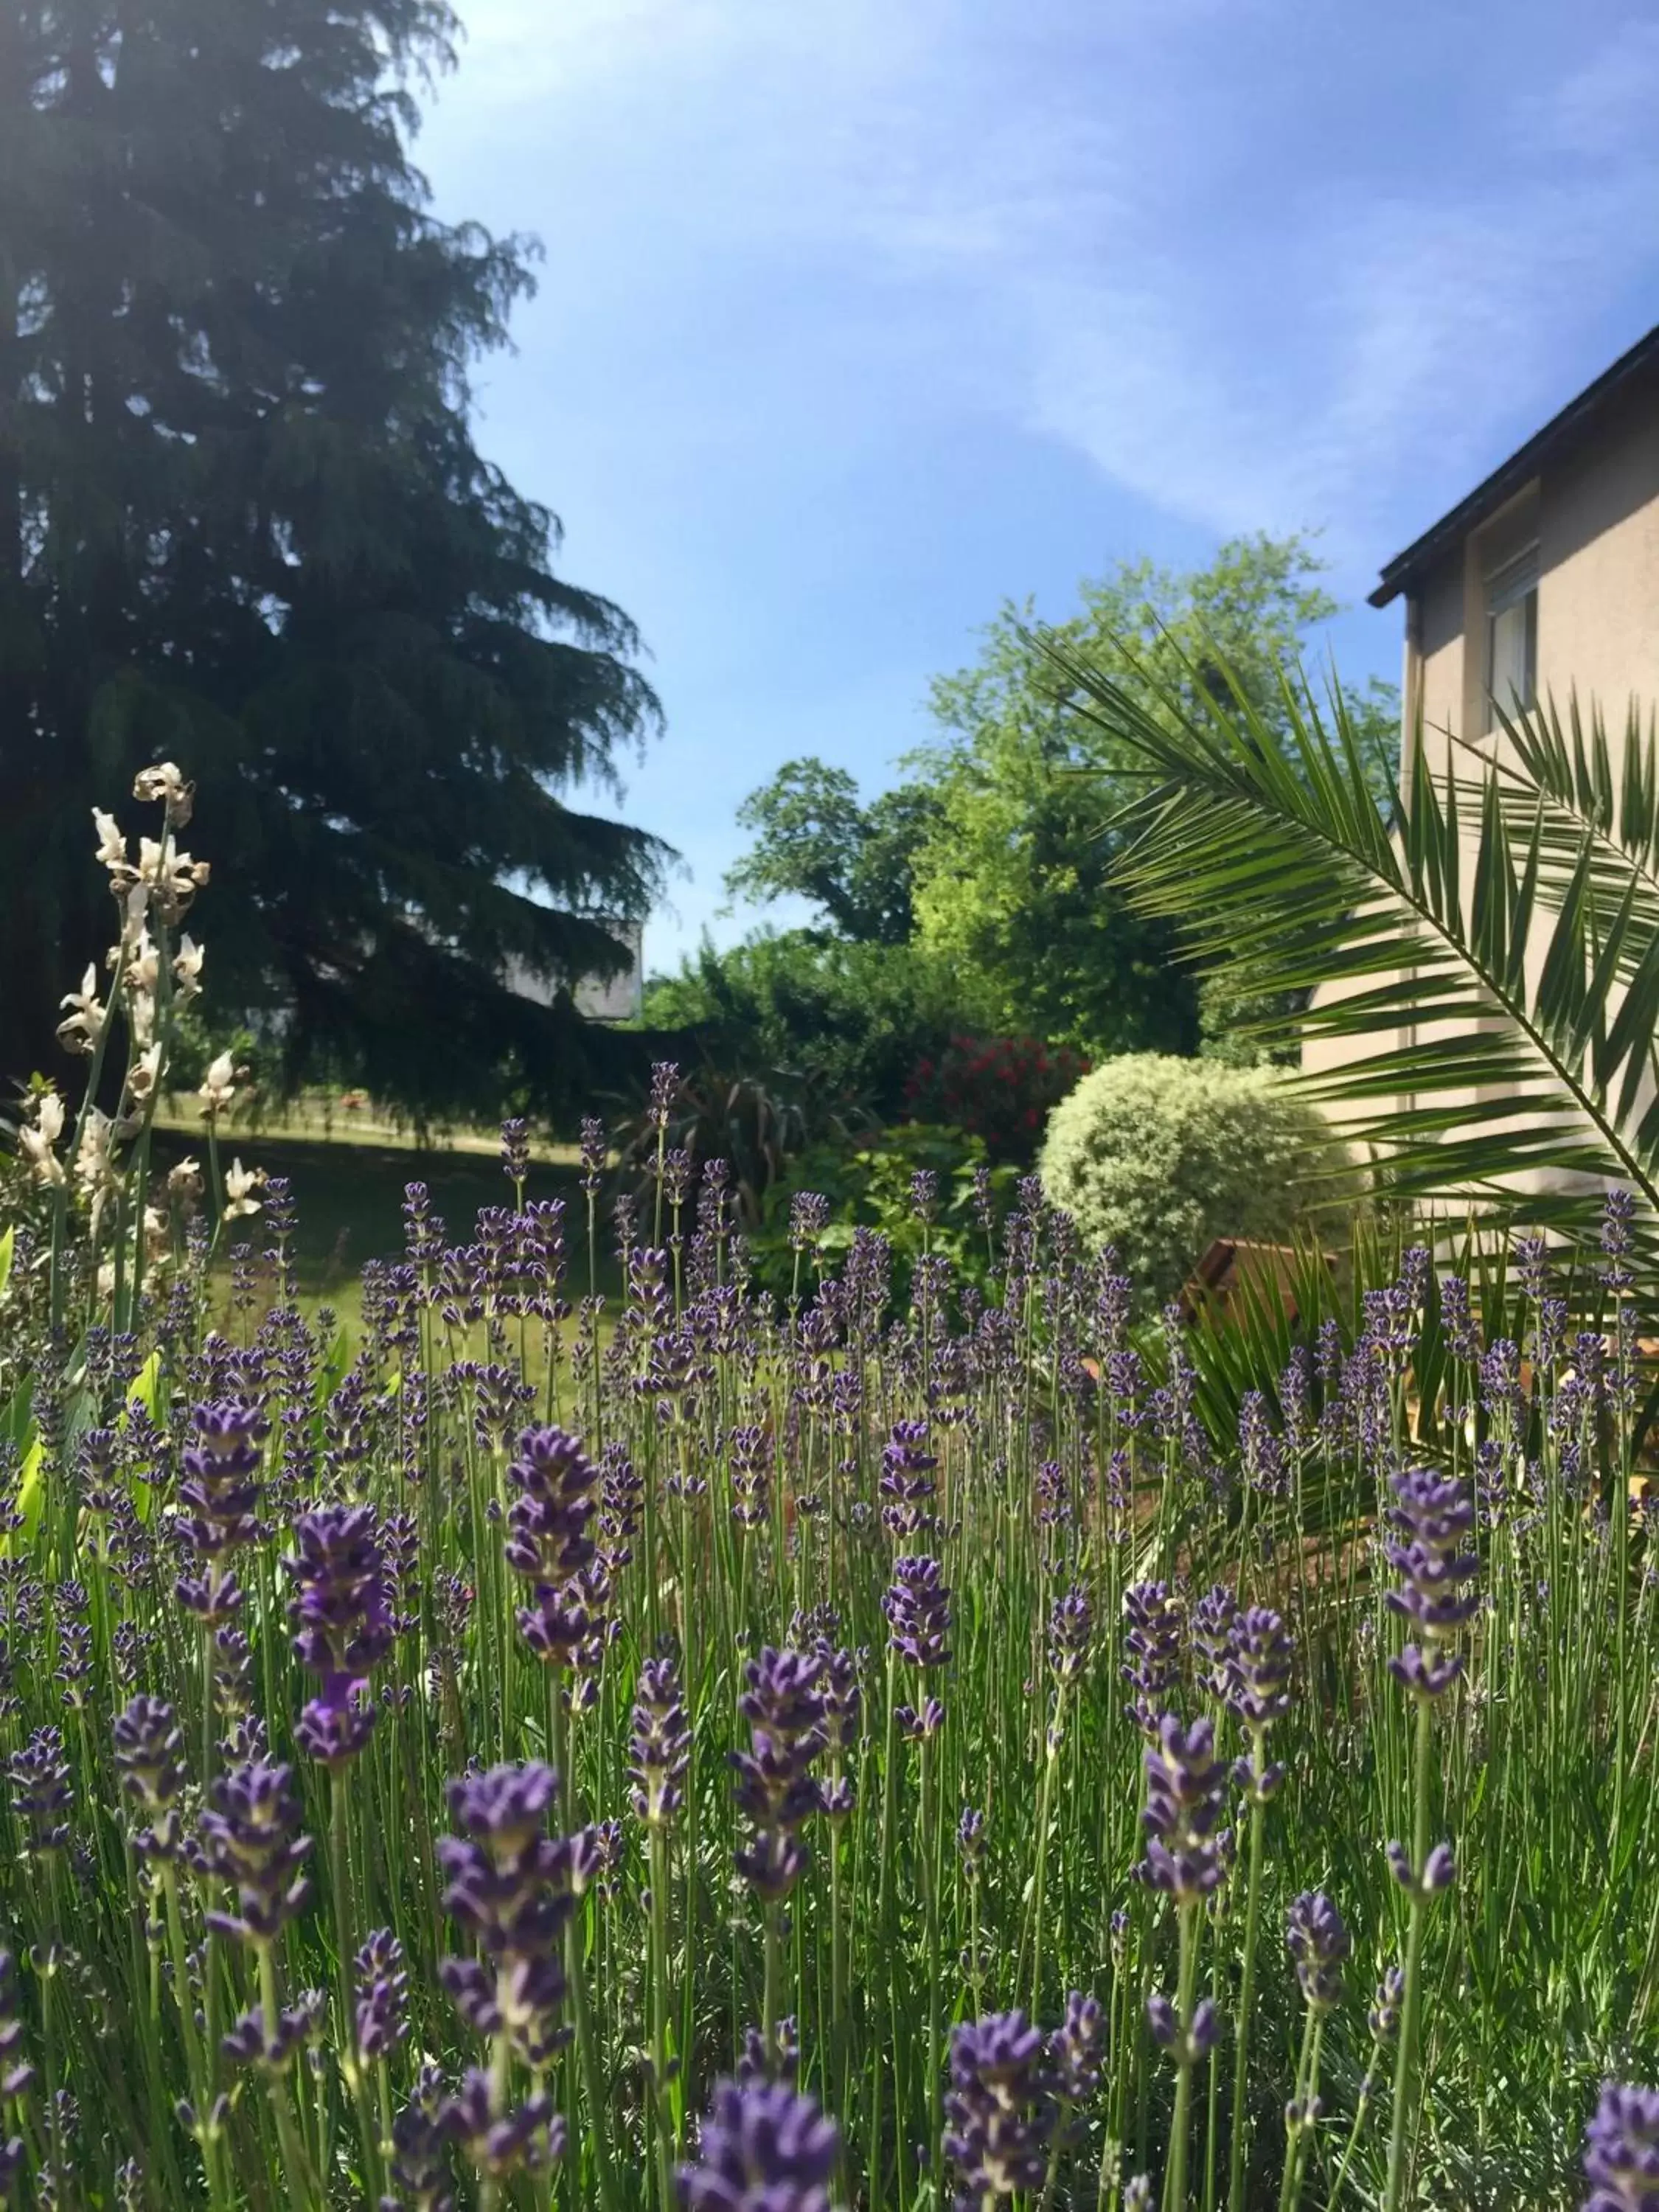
<point>349,1190</point>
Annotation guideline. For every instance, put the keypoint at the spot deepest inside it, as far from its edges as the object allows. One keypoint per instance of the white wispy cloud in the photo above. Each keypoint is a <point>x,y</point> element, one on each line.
<point>1075,215</point>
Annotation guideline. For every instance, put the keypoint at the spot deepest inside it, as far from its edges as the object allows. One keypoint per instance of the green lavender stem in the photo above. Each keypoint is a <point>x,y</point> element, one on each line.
<point>1246,2004</point>
<point>1404,2076</point>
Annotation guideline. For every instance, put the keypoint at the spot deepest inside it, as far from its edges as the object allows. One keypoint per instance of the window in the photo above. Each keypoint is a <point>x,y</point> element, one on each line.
<point>1512,632</point>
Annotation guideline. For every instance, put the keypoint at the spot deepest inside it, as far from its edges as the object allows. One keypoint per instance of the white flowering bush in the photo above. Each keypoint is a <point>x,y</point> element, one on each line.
<point>1157,1156</point>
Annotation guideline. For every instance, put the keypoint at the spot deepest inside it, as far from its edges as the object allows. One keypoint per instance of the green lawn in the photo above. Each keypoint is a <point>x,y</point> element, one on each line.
<point>349,1194</point>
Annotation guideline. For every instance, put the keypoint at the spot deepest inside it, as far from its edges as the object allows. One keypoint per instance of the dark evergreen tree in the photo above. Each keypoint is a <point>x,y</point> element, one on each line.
<point>244,525</point>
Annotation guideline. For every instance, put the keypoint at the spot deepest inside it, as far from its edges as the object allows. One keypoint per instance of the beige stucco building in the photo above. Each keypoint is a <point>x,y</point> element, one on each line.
<point>1546,579</point>
<point>1542,583</point>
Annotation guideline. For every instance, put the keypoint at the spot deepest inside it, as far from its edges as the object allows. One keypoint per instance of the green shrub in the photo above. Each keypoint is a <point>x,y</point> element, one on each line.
<point>870,1187</point>
<point>1157,1156</point>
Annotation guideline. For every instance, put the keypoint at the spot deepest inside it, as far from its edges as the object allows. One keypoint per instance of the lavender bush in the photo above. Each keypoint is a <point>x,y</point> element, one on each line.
<point>693,1751</point>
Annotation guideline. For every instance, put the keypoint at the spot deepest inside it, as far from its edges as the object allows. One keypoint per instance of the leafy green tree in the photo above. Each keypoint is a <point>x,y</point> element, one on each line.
<point>1016,882</point>
<point>857,1017</point>
<point>814,839</point>
<point>244,525</point>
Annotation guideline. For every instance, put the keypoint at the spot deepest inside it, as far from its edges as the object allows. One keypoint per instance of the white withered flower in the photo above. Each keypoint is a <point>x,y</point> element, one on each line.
<point>219,1086</point>
<point>184,1181</point>
<point>174,877</point>
<point>143,969</point>
<point>240,1183</point>
<point>94,1164</point>
<point>144,1074</point>
<point>38,1141</point>
<point>187,968</point>
<point>165,783</point>
<point>111,845</point>
<point>84,1026</point>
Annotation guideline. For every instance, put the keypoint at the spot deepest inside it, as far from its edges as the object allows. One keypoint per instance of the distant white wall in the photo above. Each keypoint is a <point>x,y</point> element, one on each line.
<point>615,998</point>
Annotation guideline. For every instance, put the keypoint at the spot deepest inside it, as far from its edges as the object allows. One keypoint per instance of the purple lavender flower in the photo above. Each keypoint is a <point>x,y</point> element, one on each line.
<point>1383,2018</point>
<point>1185,1796</point>
<point>342,1623</point>
<point>41,1797</point>
<point>839,1695</point>
<point>918,1610</point>
<point>515,1151</point>
<point>511,1887</point>
<point>809,1216</point>
<point>1257,1692</point>
<point>920,1726</point>
<point>664,1082</point>
<point>502,2141</point>
<point>251,1838</point>
<point>751,1472</point>
<point>1318,1943</point>
<point>219,1491</point>
<point>1071,1635</point>
<point>1153,1644</point>
<point>774,1788</point>
<point>1076,2050</point>
<point>779,2062</point>
<point>1456,1321</point>
<point>1054,1506</point>
<point>677,1170</point>
<point>1434,1514</point>
<point>997,2114</point>
<point>419,2164</point>
<point>423,1232</point>
<point>148,1745</point>
<point>761,2148</point>
<point>659,1747</point>
<point>906,1482</point>
<point>382,1995</point>
<point>1439,1869</point>
<point>1618,1216</point>
<point>970,1839</point>
<point>253,2042</point>
<point>1186,2047</point>
<point>547,1541</point>
<point>1215,1621</point>
<point>1621,2151</point>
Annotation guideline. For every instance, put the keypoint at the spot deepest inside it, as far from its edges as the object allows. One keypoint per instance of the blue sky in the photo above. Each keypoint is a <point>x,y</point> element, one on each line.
<point>857,320</point>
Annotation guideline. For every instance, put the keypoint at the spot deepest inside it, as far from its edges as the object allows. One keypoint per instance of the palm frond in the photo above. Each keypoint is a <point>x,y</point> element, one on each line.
<point>1482,957</point>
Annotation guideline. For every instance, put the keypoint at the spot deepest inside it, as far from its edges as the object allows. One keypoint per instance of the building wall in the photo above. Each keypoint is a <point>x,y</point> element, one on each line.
<point>1594,514</point>
<point>602,998</point>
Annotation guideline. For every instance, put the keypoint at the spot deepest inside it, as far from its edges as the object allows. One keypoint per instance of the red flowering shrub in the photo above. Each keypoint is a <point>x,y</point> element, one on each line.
<point>999,1089</point>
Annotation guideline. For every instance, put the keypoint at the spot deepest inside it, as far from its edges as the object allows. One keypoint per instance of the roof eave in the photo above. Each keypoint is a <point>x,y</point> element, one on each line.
<point>1510,476</point>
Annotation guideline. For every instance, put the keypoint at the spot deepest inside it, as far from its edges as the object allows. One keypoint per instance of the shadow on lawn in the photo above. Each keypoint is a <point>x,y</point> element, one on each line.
<point>349,1197</point>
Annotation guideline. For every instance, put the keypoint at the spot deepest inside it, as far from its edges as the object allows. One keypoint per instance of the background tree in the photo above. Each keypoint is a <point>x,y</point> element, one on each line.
<point>1016,881</point>
<point>980,894</point>
<point>814,839</point>
<point>855,1017</point>
<point>243,524</point>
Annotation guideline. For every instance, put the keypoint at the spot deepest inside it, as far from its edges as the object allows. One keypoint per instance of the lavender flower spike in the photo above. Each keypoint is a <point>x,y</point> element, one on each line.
<point>660,1748</point>
<point>251,1838</point>
<point>1318,1943</point>
<point>998,2116</point>
<point>760,2149</point>
<point>918,1610</point>
<point>343,1618</point>
<point>1621,2151</point>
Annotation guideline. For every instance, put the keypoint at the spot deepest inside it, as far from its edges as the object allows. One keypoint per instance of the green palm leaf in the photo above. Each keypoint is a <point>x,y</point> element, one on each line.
<point>1482,956</point>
